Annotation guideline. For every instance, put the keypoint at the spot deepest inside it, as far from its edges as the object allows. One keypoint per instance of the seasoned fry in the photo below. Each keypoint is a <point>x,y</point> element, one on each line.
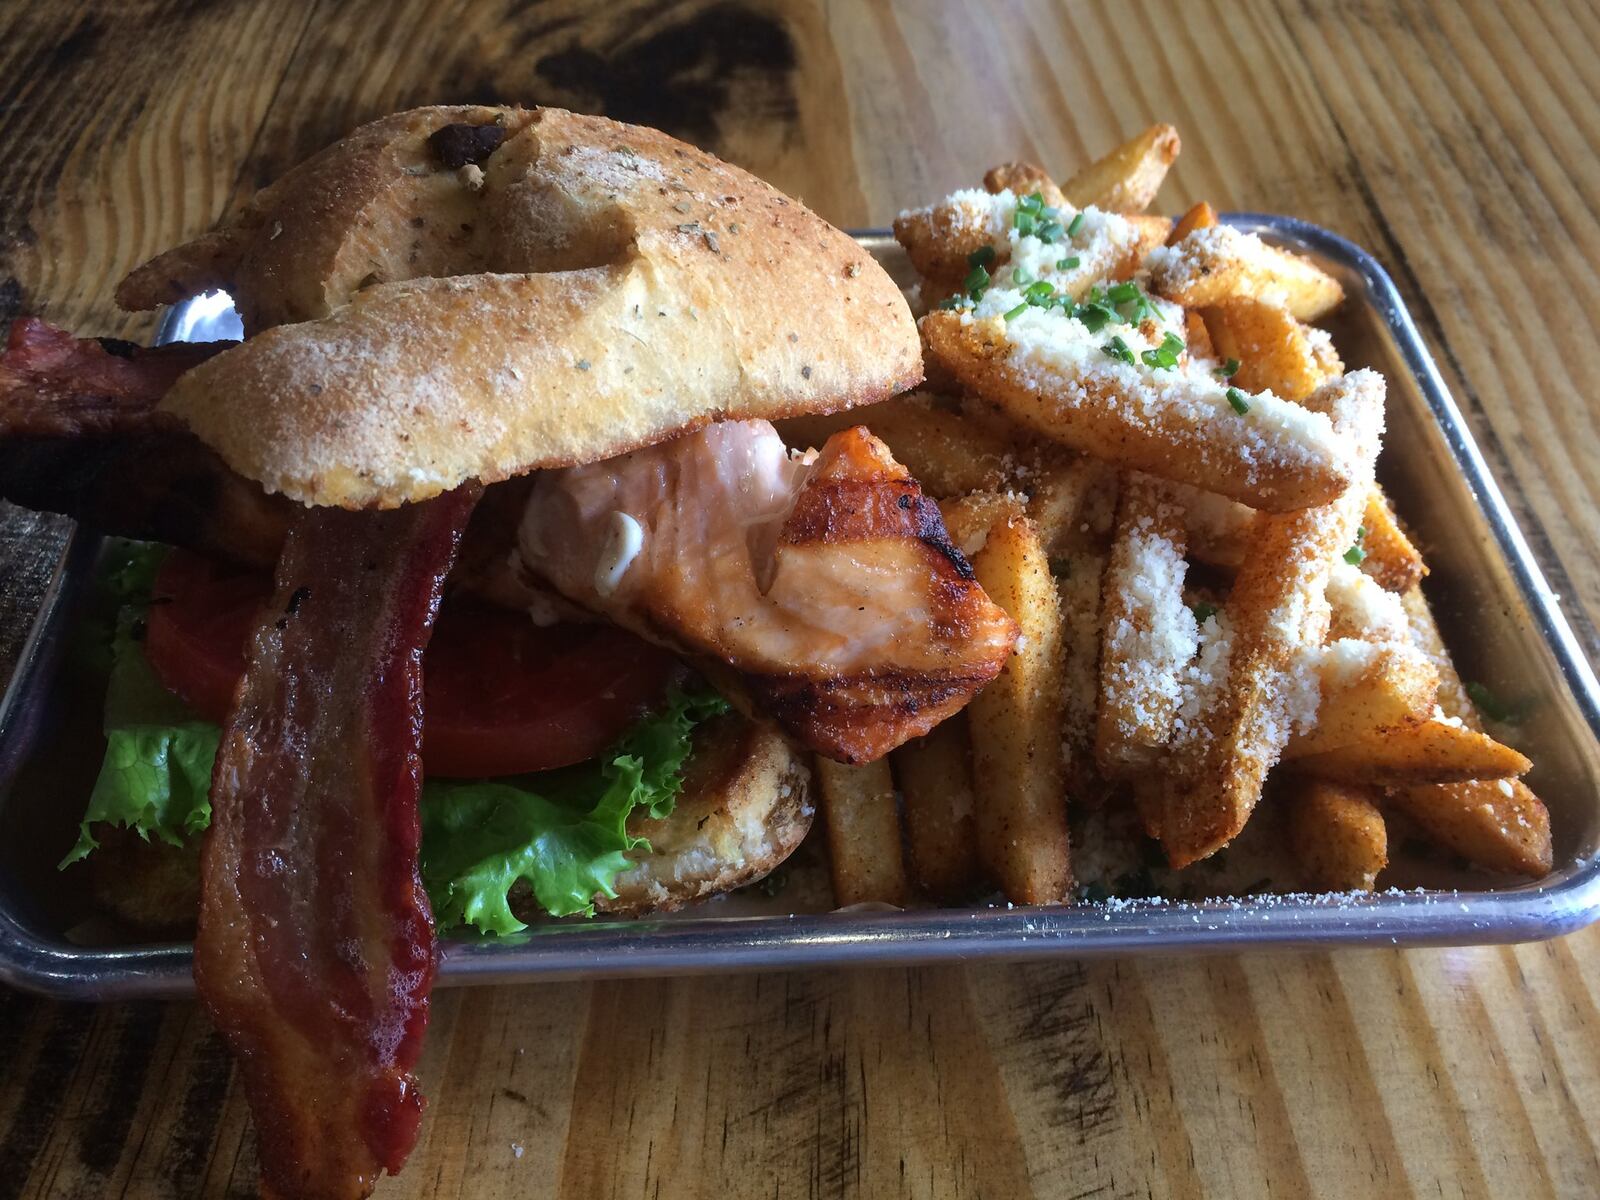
<point>935,778</point>
<point>1365,687</point>
<point>1016,725</point>
<point>1391,558</point>
<point>946,241</point>
<point>864,853</point>
<point>1079,575</point>
<point>1499,825</point>
<point>1148,635</point>
<point>1221,264</point>
<point>1220,530</point>
<point>1429,752</point>
<point>1201,216</point>
<point>1275,352</point>
<point>1198,337</point>
<point>1361,609</point>
<point>1127,179</point>
<point>1452,697</point>
<point>947,453</point>
<point>1024,179</point>
<point>1072,503</point>
<point>1273,613</point>
<point>1275,456</point>
<point>1337,836</point>
<point>968,519</point>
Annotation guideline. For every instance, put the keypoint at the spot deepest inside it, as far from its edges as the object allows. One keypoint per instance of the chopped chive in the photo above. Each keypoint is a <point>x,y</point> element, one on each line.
<point>1122,293</point>
<point>1236,399</point>
<point>1068,264</point>
<point>1049,232</point>
<point>1020,276</point>
<point>1361,533</point>
<point>952,302</point>
<point>1203,612</point>
<point>1228,369</point>
<point>1014,313</point>
<point>1497,710</point>
<point>977,279</point>
<point>983,256</point>
<point>1074,225</point>
<point>1354,555</point>
<point>1118,349</point>
<point>1040,292</point>
<point>1165,356</point>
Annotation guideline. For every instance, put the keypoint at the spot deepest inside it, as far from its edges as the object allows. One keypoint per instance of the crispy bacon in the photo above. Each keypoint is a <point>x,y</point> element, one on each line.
<point>828,586</point>
<point>315,947</point>
<point>80,434</point>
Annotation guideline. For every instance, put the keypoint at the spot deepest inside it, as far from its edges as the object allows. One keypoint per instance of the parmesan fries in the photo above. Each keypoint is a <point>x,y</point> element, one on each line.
<point>1161,468</point>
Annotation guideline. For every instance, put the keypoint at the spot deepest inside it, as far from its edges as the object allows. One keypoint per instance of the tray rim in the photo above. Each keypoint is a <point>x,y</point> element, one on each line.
<point>1567,901</point>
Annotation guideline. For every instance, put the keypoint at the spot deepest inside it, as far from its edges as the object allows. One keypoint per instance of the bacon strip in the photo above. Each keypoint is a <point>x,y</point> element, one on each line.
<point>80,434</point>
<point>315,947</point>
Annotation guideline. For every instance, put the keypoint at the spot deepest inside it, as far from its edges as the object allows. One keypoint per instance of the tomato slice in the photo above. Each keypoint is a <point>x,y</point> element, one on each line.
<point>501,695</point>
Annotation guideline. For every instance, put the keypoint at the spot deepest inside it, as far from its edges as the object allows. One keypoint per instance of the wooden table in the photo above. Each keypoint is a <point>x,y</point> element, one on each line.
<point>1458,143</point>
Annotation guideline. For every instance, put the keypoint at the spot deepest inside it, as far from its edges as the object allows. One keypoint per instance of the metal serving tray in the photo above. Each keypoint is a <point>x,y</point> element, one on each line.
<point>1498,613</point>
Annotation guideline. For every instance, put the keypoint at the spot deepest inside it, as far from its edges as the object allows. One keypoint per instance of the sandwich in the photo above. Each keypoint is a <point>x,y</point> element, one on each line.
<point>474,586</point>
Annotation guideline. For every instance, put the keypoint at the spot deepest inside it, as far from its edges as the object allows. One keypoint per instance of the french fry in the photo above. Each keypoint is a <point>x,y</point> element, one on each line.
<point>1149,232</point>
<point>1271,457</point>
<point>1274,614</point>
<point>1147,633</point>
<point>1024,179</point>
<point>1197,337</point>
<point>1221,265</point>
<point>1366,687</point>
<point>1499,825</point>
<point>947,453</point>
<point>1220,530</point>
<point>1391,558</point>
<point>1127,179</point>
<point>935,778</point>
<point>1201,216</point>
<point>1452,697</point>
<point>1016,725</point>
<point>1275,352</point>
<point>1079,577</point>
<point>1072,502</point>
<point>1427,752</point>
<point>1337,836</point>
<point>968,519</point>
<point>1362,609</point>
<point>863,826</point>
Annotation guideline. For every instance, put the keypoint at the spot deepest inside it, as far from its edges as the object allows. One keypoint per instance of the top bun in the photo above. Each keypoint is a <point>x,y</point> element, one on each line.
<point>463,293</point>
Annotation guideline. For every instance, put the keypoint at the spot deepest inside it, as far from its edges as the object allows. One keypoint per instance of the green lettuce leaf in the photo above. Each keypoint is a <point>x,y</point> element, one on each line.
<point>563,832</point>
<point>156,775</point>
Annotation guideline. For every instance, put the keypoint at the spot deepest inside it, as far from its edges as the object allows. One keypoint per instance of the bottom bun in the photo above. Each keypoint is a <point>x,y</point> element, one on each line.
<point>745,807</point>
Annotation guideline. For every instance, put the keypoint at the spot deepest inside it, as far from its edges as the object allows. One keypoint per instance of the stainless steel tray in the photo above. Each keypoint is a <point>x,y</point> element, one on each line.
<point>1498,612</point>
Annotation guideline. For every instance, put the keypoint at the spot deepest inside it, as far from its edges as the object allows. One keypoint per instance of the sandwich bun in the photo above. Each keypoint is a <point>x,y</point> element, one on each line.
<point>580,289</point>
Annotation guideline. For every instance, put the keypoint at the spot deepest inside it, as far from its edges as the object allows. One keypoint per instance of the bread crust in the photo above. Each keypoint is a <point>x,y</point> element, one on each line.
<point>591,288</point>
<point>745,807</point>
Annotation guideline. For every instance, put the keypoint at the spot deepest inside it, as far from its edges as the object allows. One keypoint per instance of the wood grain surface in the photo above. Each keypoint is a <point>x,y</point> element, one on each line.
<point>1457,141</point>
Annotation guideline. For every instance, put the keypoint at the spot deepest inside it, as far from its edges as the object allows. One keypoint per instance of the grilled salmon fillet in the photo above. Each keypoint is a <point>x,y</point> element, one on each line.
<point>824,585</point>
